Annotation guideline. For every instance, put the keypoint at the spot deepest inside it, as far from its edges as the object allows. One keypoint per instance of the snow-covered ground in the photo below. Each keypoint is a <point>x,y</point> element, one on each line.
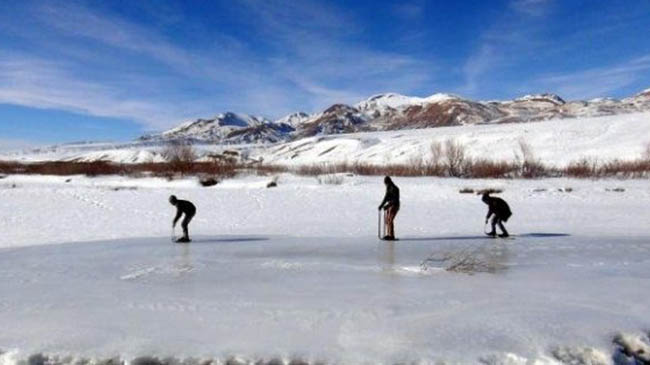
<point>556,142</point>
<point>296,272</point>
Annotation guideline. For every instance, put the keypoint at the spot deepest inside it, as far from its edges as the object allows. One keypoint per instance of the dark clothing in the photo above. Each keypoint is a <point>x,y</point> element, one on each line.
<point>496,220</point>
<point>501,211</point>
<point>498,207</point>
<point>391,207</point>
<point>389,217</point>
<point>391,199</point>
<point>187,208</point>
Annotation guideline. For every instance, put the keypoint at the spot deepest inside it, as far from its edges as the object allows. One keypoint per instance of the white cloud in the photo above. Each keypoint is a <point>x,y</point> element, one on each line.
<point>43,84</point>
<point>531,7</point>
<point>510,37</point>
<point>596,82</point>
<point>313,62</point>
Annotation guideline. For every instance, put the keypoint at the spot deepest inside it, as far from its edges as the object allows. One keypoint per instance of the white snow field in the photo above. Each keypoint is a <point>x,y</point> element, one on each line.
<point>554,142</point>
<point>88,270</point>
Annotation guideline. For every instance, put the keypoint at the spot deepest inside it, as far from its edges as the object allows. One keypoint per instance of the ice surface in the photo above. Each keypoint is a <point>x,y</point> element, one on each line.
<point>88,270</point>
<point>338,299</point>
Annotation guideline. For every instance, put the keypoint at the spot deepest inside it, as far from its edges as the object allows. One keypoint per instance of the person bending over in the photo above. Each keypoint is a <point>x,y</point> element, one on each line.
<point>500,211</point>
<point>183,207</point>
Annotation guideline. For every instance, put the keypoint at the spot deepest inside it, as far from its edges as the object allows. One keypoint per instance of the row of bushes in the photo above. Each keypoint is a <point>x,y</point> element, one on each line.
<point>101,168</point>
<point>469,168</point>
<point>484,169</point>
<point>448,159</point>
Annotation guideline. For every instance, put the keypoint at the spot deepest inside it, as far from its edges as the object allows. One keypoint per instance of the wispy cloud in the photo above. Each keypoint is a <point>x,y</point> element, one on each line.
<point>324,62</point>
<point>596,82</point>
<point>503,43</point>
<point>44,84</point>
<point>313,61</point>
<point>531,7</point>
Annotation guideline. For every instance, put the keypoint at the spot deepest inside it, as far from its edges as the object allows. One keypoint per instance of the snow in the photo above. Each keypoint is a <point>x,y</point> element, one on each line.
<point>381,102</point>
<point>557,142</point>
<point>296,272</point>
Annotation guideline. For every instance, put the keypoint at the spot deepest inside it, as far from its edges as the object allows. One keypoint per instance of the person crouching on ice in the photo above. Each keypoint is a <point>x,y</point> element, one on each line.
<point>188,209</point>
<point>501,211</point>
<point>391,207</point>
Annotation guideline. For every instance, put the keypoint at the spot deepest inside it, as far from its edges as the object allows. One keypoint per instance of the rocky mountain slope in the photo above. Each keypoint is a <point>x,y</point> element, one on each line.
<point>396,112</point>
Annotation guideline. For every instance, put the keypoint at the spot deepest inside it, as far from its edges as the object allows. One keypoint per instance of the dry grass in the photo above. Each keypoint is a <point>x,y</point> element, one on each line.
<point>446,160</point>
<point>330,179</point>
<point>102,168</point>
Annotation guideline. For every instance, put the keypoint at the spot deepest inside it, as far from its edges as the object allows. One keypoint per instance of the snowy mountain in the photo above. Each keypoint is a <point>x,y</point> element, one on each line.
<point>293,119</point>
<point>391,111</point>
<point>337,119</point>
<point>227,128</point>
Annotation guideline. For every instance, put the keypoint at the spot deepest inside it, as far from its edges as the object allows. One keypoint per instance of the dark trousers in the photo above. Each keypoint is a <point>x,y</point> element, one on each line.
<point>497,220</point>
<point>186,222</point>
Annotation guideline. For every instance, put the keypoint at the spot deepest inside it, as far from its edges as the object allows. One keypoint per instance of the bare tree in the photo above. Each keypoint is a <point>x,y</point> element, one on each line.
<point>179,151</point>
<point>455,157</point>
<point>180,155</point>
<point>530,165</point>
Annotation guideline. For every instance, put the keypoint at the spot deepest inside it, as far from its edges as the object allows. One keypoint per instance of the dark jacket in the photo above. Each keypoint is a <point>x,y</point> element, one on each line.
<point>391,198</point>
<point>498,207</point>
<point>183,206</point>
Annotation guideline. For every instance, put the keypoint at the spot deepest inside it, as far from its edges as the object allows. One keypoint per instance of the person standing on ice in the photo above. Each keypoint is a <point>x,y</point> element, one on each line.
<point>501,211</point>
<point>183,207</point>
<point>391,206</point>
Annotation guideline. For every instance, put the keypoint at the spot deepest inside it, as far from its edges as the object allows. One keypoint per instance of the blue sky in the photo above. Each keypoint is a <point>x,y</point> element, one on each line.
<point>109,70</point>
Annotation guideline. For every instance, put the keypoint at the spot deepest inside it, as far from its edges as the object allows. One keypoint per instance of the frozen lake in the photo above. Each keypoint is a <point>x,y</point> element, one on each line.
<point>344,300</point>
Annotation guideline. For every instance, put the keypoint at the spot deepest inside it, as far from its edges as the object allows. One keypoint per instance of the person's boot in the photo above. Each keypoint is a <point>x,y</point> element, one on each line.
<point>388,238</point>
<point>504,235</point>
<point>492,234</point>
<point>183,239</point>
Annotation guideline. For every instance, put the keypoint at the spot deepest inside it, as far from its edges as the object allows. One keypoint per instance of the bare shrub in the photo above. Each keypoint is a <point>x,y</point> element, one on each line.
<point>331,179</point>
<point>466,191</point>
<point>454,157</point>
<point>531,167</point>
<point>180,155</point>
<point>582,168</point>
<point>435,167</point>
<point>629,169</point>
<point>437,153</point>
<point>481,168</point>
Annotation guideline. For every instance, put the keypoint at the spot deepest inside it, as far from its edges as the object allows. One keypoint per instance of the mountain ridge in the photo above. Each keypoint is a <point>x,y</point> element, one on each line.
<point>393,111</point>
